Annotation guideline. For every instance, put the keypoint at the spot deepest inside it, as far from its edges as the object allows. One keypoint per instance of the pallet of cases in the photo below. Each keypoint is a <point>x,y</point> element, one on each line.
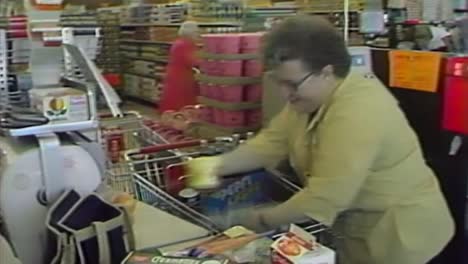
<point>230,82</point>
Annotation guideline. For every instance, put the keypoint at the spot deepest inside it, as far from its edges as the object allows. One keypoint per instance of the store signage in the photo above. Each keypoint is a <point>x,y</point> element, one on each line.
<point>415,70</point>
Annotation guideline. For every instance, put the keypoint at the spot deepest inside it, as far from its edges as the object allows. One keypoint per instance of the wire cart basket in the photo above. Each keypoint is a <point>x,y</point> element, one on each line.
<point>155,175</point>
<point>118,135</point>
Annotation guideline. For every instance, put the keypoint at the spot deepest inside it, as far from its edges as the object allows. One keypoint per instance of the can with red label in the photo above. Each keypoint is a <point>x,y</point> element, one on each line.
<point>115,143</point>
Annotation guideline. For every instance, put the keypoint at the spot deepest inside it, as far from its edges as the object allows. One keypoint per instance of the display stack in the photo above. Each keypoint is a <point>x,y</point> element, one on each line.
<point>230,83</point>
<point>109,23</point>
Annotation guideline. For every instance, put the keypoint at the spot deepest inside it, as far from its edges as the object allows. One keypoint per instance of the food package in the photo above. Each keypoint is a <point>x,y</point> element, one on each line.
<point>61,105</point>
<point>300,247</point>
<point>147,258</point>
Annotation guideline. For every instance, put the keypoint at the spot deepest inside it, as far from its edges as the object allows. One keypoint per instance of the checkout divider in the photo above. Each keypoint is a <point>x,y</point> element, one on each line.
<point>424,111</point>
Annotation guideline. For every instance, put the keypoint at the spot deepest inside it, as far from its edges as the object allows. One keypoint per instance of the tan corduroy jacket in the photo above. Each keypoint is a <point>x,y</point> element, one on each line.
<point>363,172</point>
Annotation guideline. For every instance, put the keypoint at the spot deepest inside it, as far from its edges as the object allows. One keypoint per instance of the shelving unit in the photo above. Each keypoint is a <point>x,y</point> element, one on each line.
<point>145,42</point>
<point>155,59</point>
<point>16,53</point>
<point>145,49</point>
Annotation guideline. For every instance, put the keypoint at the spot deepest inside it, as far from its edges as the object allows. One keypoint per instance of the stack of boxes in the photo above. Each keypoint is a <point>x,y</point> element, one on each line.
<point>330,5</point>
<point>84,19</point>
<point>230,83</point>
<point>109,22</point>
<point>216,10</point>
<point>158,14</point>
<point>143,80</point>
<point>170,13</point>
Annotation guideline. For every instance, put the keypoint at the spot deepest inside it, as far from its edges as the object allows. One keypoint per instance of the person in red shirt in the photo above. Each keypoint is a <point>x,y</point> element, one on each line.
<point>180,88</point>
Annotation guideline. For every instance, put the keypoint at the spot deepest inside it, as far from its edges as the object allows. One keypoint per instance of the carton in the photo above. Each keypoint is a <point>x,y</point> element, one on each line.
<point>61,105</point>
<point>148,258</point>
<point>300,247</point>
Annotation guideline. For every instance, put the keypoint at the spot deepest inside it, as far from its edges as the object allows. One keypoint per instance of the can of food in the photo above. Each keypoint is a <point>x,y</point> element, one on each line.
<point>190,197</point>
<point>115,143</point>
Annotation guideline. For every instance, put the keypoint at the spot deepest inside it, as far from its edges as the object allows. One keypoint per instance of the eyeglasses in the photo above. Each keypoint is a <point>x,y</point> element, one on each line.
<point>295,86</point>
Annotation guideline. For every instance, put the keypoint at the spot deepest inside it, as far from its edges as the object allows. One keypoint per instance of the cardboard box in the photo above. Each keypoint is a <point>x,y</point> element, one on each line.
<point>148,258</point>
<point>61,105</point>
<point>300,247</point>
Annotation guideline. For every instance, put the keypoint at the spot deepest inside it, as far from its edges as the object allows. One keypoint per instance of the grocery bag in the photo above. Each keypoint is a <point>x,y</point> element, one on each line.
<point>87,230</point>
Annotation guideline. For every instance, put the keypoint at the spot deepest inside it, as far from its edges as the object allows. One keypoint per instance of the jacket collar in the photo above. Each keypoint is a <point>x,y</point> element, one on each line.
<point>324,108</point>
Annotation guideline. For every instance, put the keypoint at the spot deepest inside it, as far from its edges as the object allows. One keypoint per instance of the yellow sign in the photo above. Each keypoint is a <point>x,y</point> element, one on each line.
<point>415,70</point>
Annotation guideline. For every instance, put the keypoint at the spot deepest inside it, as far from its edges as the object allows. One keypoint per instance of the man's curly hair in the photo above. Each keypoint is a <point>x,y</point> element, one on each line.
<point>312,40</point>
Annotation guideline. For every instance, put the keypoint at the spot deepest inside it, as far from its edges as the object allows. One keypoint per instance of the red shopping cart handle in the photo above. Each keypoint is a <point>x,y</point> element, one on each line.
<point>171,146</point>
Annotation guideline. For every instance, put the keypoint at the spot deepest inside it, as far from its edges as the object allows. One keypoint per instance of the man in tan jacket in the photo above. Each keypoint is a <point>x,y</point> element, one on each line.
<point>358,158</point>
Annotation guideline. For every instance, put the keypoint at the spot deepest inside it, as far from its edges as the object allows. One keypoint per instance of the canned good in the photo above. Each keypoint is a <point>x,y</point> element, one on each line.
<point>115,143</point>
<point>190,197</point>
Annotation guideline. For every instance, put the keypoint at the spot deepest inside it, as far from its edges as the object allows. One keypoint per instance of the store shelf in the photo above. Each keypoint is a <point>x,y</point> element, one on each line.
<point>146,42</point>
<point>160,59</point>
<point>203,24</point>
<point>142,99</point>
<point>149,76</point>
<point>308,11</point>
<point>51,29</point>
<point>211,56</point>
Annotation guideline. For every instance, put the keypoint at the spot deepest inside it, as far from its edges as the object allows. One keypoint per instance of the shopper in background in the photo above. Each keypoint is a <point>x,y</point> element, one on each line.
<point>180,88</point>
<point>360,162</point>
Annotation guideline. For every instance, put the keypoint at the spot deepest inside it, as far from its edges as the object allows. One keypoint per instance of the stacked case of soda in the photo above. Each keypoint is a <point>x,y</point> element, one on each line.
<point>230,81</point>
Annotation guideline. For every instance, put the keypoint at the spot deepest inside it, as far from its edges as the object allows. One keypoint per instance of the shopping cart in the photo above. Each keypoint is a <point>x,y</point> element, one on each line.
<point>157,173</point>
<point>118,135</point>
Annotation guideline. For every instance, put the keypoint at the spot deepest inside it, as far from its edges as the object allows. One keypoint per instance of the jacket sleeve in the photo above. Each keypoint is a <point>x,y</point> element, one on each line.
<point>271,144</point>
<point>345,149</point>
<point>267,149</point>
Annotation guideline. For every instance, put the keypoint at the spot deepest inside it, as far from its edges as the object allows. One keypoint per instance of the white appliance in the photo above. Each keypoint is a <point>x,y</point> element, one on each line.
<point>38,163</point>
